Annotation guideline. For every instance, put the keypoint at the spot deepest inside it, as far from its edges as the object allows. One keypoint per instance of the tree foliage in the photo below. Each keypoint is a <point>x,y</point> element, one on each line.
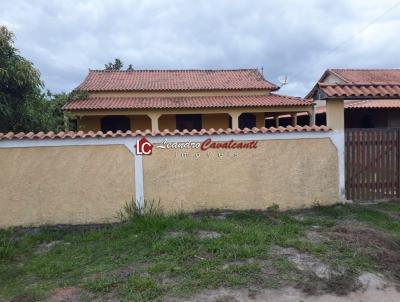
<point>55,119</point>
<point>23,105</point>
<point>20,87</point>
<point>117,65</point>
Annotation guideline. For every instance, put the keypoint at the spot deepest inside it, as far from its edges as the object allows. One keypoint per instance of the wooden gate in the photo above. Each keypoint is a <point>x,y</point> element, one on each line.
<point>372,163</point>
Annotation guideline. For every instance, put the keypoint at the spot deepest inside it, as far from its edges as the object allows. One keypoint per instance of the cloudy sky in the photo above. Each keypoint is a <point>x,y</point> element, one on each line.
<point>299,39</point>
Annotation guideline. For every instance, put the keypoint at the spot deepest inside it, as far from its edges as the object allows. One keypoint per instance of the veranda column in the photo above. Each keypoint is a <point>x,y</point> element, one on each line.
<point>335,120</point>
<point>311,115</point>
<point>294,119</point>
<point>154,121</point>
<point>235,119</point>
<point>335,114</point>
<point>276,121</point>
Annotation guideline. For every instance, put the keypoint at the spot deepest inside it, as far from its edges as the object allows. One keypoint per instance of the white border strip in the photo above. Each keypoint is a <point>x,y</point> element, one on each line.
<point>337,138</point>
<point>139,186</point>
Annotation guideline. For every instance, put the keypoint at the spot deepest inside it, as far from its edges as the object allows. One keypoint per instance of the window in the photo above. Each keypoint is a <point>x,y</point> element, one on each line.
<point>188,121</point>
<point>247,120</point>
<point>367,121</point>
<point>115,122</point>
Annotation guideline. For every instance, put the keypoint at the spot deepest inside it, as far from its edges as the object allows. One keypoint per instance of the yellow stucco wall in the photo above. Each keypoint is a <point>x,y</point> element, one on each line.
<point>290,173</point>
<point>89,123</point>
<point>167,122</point>
<point>127,112</point>
<point>64,185</point>
<point>215,121</point>
<point>260,120</point>
<point>140,122</point>
<point>90,184</point>
<point>335,114</point>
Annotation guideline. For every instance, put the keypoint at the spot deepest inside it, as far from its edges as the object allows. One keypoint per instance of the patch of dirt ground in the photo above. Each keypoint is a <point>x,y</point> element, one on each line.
<point>23,298</point>
<point>365,236</point>
<point>306,262</point>
<point>201,234</point>
<point>208,234</point>
<point>175,234</point>
<point>374,288</point>
<point>318,277</point>
<point>386,250</point>
<point>68,294</point>
<point>47,246</point>
<point>76,294</point>
<point>123,272</point>
<point>316,236</point>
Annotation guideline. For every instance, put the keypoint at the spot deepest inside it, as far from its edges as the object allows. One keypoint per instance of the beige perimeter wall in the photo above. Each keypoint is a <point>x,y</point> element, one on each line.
<point>76,184</point>
<point>64,185</point>
<point>290,173</point>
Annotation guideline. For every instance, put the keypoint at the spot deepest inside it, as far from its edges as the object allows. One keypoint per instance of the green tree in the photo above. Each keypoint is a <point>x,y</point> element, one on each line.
<point>55,119</point>
<point>117,65</point>
<point>20,89</point>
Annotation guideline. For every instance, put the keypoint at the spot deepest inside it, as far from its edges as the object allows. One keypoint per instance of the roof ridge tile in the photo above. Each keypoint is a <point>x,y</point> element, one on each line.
<point>364,69</point>
<point>175,70</point>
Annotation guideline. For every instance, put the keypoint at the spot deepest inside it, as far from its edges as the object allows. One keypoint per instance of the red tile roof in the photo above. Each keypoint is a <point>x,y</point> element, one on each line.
<point>108,103</point>
<point>364,104</point>
<point>175,80</point>
<point>359,83</point>
<point>368,76</point>
<point>360,90</point>
<point>374,104</point>
<point>99,134</point>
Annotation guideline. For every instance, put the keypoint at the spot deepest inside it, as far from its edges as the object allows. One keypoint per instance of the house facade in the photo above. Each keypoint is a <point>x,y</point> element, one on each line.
<point>371,97</point>
<point>180,99</point>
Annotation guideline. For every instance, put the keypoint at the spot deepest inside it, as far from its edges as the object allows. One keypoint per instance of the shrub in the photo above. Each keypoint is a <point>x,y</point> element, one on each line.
<point>131,210</point>
<point>7,245</point>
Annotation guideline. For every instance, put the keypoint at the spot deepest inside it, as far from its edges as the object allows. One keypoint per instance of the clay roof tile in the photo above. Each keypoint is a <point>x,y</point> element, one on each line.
<point>91,134</point>
<point>237,101</point>
<point>175,80</point>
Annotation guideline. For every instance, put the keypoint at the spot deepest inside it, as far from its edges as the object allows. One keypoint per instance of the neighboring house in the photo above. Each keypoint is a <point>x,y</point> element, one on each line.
<point>371,96</point>
<point>180,99</point>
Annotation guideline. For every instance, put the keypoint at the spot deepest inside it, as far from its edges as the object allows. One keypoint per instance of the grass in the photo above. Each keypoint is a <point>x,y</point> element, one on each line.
<point>150,256</point>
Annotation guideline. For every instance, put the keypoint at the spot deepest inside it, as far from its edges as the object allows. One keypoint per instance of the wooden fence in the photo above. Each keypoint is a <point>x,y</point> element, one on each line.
<point>372,163</point>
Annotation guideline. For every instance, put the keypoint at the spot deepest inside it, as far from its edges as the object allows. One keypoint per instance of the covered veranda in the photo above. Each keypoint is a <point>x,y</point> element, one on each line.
<point>188,119</point>
<point>171,113</point>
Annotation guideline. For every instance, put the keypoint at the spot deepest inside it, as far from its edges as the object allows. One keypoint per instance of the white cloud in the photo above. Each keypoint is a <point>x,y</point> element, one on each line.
<point>65,38</point>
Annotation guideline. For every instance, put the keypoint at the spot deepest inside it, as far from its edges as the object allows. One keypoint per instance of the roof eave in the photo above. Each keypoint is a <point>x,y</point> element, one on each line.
<point>185,108</point>
<point>321,79</point>
<point>366,97</point>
